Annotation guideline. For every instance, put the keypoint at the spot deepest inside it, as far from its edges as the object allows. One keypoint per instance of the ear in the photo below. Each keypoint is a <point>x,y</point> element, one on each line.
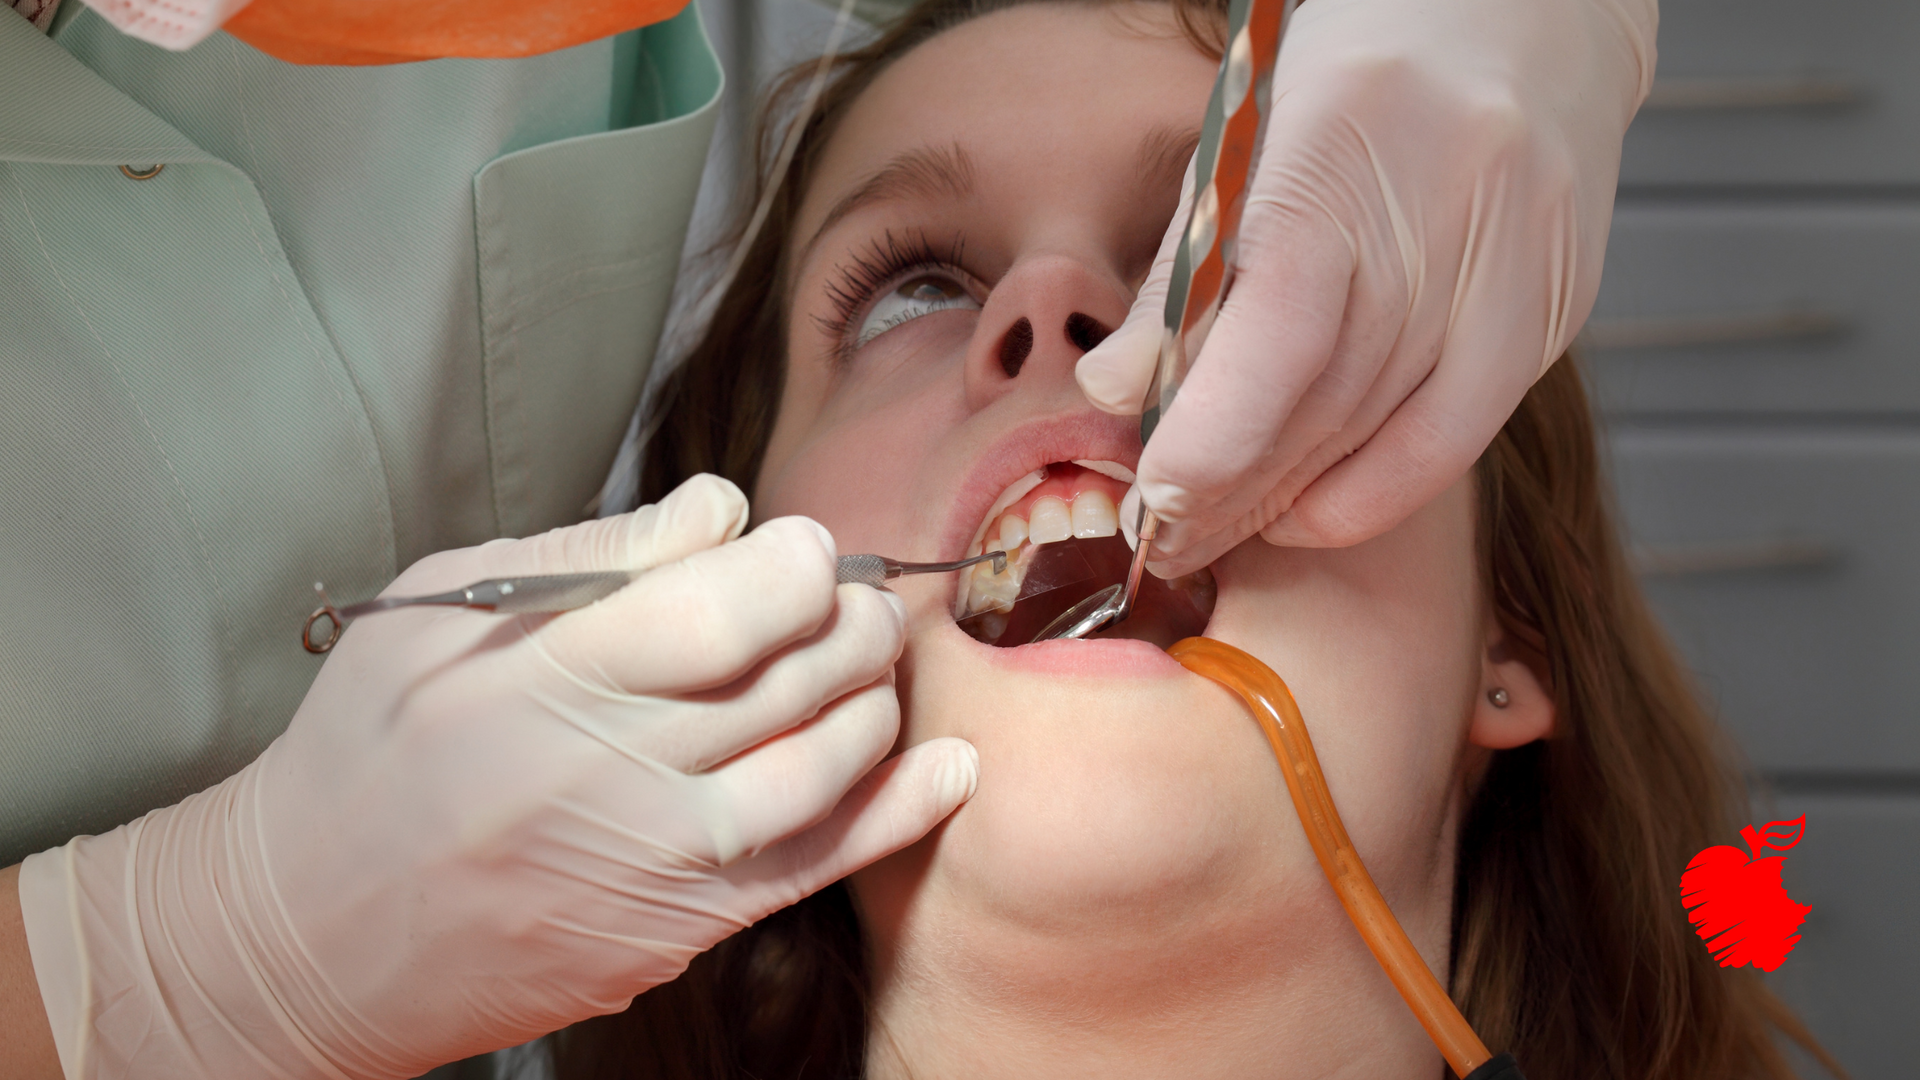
<point>1528,713</point>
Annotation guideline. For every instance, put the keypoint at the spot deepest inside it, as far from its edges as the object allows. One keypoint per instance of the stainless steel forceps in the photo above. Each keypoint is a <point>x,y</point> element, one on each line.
<point>541,593</point>
<point>1224,164</point>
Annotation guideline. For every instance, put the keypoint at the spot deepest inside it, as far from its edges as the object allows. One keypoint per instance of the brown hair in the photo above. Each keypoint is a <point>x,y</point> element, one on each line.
<point>1569,943</point>
<point>1569,948</point>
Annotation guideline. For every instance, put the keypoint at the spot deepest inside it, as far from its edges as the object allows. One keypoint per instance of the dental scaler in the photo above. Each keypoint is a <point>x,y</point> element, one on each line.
<point>551,593</point>
<point>1202,273</point>
<point>1224,164</point>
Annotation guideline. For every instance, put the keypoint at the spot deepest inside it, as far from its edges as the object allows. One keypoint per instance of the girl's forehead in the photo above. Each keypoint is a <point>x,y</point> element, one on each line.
<point>1032,87</point>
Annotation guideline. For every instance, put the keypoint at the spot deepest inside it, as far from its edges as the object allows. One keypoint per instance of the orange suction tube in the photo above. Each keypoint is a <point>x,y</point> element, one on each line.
<point>1272,705</point>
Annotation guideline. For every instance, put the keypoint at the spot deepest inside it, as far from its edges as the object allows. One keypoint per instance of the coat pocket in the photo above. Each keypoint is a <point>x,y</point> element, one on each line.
<point>579,244</point>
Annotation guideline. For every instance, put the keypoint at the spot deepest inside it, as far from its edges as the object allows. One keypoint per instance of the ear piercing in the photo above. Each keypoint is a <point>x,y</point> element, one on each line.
<point>1499,698</point>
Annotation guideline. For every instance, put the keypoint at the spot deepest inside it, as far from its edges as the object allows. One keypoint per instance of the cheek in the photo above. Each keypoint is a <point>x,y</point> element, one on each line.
<point>1394,621</point>
<point>854,451</point>
<point>1380,644</point>
<point>838,480</point>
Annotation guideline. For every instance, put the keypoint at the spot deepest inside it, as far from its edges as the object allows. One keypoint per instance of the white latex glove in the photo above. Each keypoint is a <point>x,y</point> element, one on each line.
<point>170,24</point>
<point>1422,239</point>
<point>480,828</point>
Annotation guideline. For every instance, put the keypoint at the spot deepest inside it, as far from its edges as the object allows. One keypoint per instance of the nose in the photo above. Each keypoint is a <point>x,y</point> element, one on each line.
<point>1040,318</point>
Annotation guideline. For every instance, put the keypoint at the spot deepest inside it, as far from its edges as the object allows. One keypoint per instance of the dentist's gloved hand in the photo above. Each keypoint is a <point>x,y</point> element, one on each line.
<point>480,828</point>
<point>1422,239</point>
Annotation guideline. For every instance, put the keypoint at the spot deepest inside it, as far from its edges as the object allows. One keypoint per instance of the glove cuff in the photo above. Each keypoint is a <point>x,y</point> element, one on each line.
<point>54,943</point>
<point>140,960</point>
<point>174,24</point>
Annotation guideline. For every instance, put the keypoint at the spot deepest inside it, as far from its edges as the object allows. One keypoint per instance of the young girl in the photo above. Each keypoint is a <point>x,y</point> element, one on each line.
<point>1515,751</point>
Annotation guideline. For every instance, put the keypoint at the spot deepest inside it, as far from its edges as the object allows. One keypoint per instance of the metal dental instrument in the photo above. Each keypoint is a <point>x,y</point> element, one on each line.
<point>544,593</point>
<point>874,569</point>
<point>1203,263</point>
<point>1110,605</point>
<point>508,596</point>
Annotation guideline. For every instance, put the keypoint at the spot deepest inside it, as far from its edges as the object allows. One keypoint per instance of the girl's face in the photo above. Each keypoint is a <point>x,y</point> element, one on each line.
<point>988,204</point>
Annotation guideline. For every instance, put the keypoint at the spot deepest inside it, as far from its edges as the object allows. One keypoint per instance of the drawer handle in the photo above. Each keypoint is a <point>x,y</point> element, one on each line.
<point>1733,557</point>
<point>1685,330</point>
<point>1751,93</point>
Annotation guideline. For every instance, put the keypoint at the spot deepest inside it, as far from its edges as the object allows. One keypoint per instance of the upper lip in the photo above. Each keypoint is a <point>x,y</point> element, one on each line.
<point>1084,435</point>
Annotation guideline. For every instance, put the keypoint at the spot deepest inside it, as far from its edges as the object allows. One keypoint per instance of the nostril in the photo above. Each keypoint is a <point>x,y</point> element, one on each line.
<point>1015,347</point>
<point>1085,331</point>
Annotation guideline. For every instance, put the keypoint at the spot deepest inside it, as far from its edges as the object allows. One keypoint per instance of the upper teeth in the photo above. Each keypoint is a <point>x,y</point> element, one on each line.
<point>1048,520</point>
<point>1015,491</point>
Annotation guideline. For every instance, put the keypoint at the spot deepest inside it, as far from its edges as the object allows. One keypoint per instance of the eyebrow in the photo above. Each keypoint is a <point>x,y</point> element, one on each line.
<point>928,172</point>
<point>1165,153</point>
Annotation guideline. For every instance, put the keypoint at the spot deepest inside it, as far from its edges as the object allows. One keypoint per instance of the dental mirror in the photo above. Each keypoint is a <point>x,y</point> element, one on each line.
<point>1111,604</point>
<point>1085,617</point>
<point>1055,566</point>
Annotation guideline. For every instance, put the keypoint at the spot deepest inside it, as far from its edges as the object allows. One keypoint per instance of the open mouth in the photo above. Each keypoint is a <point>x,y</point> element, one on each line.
<point>1061,531</point>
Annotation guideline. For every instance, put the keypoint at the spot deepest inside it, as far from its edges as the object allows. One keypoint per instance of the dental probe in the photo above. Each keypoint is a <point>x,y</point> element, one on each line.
<point>547,593</point>
<point>1224,163</point>
<point>875,569</point>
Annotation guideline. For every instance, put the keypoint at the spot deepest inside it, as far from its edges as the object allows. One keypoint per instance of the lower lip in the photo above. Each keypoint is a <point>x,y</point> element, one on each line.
<point>1105,658</point>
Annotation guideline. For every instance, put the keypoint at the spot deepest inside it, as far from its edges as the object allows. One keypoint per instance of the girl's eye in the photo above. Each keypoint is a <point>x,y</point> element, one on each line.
<point>912,298</point>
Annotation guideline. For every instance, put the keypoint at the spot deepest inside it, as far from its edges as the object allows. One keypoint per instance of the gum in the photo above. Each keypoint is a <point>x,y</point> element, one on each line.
<point>1064,481</point>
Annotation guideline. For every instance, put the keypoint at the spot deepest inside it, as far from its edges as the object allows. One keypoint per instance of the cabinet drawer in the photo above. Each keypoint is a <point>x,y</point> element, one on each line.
<point>1855,975</point>
<point>1758,307</point>
<point>1781,92</point>
<point>1784,565</point>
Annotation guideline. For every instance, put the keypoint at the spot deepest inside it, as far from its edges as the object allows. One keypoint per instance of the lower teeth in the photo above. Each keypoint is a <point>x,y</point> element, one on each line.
<point>988,626</point>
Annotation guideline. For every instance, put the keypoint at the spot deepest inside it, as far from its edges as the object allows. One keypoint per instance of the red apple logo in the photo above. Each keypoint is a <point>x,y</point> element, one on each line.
<point>1737,904</point>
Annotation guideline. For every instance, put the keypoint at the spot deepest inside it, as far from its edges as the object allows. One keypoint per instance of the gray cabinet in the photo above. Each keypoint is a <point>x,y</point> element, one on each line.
<point>1784,562</point>
<point>1755,352</point>
<point>1855,869</point>
<point>1759,306</point>
<point>1781,92</point>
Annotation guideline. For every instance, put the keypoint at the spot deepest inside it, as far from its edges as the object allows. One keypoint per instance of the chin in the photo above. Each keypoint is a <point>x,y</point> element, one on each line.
<point>1112,781</point>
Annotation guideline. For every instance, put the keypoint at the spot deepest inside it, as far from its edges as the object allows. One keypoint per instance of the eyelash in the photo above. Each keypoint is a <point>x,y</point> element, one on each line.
<point>856,282</point>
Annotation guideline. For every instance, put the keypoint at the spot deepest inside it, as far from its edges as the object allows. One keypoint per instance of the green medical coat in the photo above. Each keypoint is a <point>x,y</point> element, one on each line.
<point>361,315</point>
